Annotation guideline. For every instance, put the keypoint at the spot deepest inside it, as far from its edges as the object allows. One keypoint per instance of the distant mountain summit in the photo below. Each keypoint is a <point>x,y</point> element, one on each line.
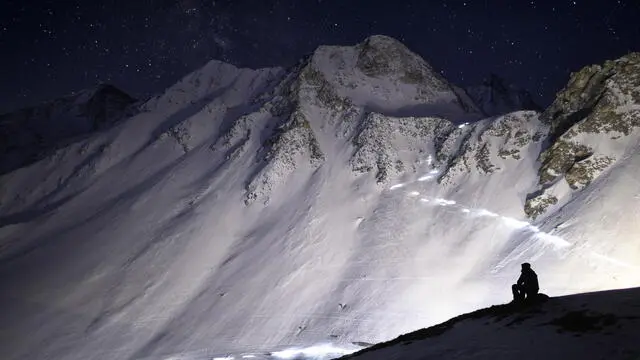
<point>30,134</point>
<point>496,97</point>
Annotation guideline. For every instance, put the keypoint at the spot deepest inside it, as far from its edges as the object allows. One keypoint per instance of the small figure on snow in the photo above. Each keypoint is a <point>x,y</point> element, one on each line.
<point>527,286</point>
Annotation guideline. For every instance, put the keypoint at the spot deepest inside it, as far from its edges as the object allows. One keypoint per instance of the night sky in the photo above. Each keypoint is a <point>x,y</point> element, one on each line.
<point>51,48</point>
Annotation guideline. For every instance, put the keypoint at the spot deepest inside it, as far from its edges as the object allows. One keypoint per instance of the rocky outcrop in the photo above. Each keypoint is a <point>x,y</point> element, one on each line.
<point>486,147</point>
<point>598,99</point>
<point>591,124</point>
<point>315,88</point>
<point>382,139</point>
<point>293,140</point>
<point>382,56</point>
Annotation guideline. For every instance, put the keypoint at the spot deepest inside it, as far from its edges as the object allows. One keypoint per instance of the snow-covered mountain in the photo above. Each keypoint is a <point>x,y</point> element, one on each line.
<point>349,199</point>
<point>496,97</point>
<point>602,325</point>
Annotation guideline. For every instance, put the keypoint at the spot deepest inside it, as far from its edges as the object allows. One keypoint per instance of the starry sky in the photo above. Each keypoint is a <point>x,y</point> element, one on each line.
<point>51,48</point>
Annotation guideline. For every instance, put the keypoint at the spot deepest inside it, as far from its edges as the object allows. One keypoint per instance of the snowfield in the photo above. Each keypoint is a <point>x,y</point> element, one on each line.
<point>321,208</point>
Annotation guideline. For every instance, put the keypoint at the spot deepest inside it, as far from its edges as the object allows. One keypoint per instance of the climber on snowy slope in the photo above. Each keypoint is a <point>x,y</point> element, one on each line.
<point>527,286</point>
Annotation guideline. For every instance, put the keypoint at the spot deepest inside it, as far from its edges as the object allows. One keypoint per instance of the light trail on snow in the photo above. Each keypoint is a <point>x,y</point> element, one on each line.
<point>509,221</point>
<point>522,225</point>
<point>481,212</point>
<point>517,224</point>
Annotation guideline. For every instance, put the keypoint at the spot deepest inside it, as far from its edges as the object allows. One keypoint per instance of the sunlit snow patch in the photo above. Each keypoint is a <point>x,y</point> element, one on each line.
<point>397,186</point>
<point>414,194</point>
<point>325,351</point>
<point>512,222</point>
<point>462,125</point>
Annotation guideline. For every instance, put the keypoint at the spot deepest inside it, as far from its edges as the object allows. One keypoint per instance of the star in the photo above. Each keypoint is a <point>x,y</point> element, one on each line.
<point>180,36</point>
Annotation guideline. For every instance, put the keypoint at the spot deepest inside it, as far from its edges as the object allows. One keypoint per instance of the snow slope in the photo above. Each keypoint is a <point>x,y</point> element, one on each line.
<point>600,325</point>
<point>351,198</point>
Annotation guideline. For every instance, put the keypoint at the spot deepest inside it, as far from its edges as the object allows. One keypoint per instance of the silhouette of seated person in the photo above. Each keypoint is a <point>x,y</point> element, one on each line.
<point>527,286</point>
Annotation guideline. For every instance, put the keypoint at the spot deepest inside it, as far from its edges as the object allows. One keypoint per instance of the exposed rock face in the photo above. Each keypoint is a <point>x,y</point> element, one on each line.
<point>31,134</point>
<point>382,75</point>
<point>591,125</point>
<point>598,99</point>
<point>487,146</point>
<point>381,56</point>
<point>381,140</point>
<point>291,140</point>
<point>369,95</point>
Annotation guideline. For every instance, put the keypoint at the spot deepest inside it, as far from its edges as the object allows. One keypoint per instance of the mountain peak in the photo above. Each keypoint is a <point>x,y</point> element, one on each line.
<point>381,55</point>
<point>383,75</point>
<point>31,133</point>
<point>383,42</point>
<point>495,81</point>
<point>497,97</point>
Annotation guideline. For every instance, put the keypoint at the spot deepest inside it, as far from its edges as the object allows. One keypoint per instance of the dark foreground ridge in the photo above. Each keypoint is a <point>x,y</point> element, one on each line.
<point>498,312</point>
<point>573,315</point>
